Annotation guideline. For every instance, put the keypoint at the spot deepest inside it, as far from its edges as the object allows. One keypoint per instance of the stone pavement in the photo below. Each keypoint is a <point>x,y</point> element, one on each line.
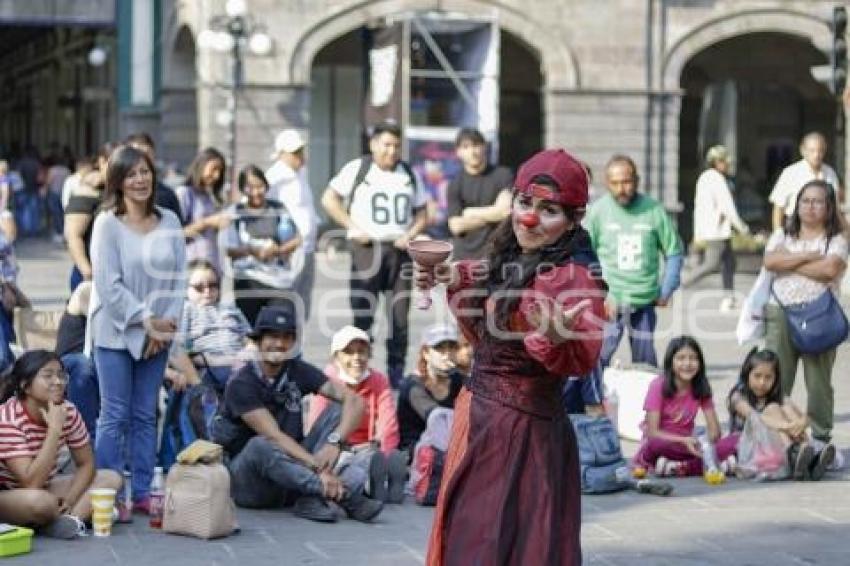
<point>739,523</point>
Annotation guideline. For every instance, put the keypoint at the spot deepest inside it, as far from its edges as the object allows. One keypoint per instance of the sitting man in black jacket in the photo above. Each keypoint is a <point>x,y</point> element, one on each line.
<point>261,428</point>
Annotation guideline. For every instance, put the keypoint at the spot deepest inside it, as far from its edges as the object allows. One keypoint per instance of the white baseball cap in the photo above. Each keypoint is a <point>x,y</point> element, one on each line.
<point>289,141</point>
<point>437,333</point>
<point>345,336</point>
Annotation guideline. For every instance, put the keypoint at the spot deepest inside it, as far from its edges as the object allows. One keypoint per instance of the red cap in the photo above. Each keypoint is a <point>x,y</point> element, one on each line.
<point>569,174</point>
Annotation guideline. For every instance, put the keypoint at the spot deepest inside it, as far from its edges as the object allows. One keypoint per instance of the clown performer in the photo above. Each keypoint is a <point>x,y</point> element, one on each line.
<point>535,312</point>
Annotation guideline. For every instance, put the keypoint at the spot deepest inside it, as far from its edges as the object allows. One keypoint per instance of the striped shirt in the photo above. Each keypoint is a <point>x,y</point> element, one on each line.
<point>217,330</point>
<point>22,437</point>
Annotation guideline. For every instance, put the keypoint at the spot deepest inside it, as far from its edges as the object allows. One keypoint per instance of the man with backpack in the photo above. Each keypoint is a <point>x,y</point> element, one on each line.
<point>381,204</point>
<point>261,428</point>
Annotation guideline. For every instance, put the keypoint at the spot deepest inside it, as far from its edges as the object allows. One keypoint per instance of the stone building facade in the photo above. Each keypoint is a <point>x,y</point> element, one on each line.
<point>619,76</point>
<point>658,80</point>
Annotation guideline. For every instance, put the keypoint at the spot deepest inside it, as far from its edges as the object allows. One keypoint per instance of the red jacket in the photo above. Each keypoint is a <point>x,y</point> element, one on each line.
<point>379,415</point>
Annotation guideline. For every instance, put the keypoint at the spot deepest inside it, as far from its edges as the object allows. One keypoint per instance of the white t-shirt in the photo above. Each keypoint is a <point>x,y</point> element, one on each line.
<point>383,205</point>
<point>292,189</point>
<point>793,178</point>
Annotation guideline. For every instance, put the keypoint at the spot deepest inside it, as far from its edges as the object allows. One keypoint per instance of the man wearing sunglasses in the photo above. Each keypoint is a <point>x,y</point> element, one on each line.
<point>272,461</point>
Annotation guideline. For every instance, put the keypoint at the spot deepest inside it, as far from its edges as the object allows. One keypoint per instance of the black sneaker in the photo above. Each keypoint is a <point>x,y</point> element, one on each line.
<point>822,463</point>
<point>803,462</point>
<point>314,508</point>
<point>378,476</point>
<point>396,476</point>
<point>654,487</point>
<point>360,508</point>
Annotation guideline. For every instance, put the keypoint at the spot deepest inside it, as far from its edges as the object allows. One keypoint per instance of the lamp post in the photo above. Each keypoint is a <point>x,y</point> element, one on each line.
<point>232,32</point>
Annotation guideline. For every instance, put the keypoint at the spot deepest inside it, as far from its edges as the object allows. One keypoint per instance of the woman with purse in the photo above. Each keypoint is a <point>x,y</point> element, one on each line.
<point>808,259</point>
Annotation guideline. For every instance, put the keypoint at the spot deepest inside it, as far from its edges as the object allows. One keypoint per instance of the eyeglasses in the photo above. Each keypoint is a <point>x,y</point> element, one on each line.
<point>813,202</point>
<point>53,376</point>
<point>201,287</point>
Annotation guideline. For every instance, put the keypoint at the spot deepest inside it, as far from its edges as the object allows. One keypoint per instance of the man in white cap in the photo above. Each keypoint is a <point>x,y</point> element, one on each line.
<point>373,444</point>
<point>288,184</point>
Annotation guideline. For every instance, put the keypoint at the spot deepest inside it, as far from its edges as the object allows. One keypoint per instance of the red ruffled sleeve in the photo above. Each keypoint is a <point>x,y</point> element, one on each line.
<point>566,286</point>
<point>461,298</point>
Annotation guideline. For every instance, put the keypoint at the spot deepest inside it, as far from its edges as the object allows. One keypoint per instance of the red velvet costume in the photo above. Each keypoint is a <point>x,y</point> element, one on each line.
<point>511,492</point>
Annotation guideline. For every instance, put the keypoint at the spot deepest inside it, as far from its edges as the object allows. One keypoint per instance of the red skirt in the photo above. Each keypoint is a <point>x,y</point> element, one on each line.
<point>511,492</point>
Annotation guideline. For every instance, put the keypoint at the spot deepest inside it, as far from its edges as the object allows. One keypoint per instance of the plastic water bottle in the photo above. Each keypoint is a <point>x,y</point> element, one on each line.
<point>157,500</point>
<point>612,407</point>
<point>209,401</point>
<point>125,509</point>
<point>710,467</point>
<point>285,229</point>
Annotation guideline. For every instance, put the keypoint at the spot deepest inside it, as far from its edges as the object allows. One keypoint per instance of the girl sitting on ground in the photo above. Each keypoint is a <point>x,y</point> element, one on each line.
<point>669,446</point>
<point>759,389</point>
<point>435,384</point>
<point>36,424</point>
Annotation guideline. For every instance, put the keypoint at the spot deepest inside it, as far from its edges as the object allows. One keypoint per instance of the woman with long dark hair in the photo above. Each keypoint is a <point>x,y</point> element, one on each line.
<point>261,239</point>
<point>138,258</point>
<point>510,491</point>
<point>36,423</point>
<point>808,258</point>
<point>201,200</point>
<point>83,206</point>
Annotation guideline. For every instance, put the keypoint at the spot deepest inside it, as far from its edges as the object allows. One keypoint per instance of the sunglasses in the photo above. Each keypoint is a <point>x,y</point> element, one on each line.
<point>200,287</point>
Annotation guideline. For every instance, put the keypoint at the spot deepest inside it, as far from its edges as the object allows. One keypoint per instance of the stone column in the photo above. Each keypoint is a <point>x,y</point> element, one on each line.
<point>596,124</point>
<point>263,110</point>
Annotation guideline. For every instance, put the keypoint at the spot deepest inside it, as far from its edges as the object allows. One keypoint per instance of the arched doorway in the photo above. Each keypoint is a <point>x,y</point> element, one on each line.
<point>180,103</point>
<point>336,96</point>
<point>759,106</point>
<point>337,89</point>
<point>520,102</point>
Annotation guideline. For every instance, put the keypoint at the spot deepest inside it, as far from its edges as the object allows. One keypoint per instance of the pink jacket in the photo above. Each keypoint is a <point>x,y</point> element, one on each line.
<point>379,415</point>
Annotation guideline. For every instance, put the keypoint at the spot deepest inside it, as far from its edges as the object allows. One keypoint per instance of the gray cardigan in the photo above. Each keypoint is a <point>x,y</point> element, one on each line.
<point>136,276</point>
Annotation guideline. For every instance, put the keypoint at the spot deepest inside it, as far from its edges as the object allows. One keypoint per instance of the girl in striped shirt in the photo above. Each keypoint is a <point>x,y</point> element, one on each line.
<point>37,423</point>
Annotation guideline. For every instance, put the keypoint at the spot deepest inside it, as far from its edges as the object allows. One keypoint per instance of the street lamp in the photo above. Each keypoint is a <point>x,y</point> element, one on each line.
<point>232,32</point>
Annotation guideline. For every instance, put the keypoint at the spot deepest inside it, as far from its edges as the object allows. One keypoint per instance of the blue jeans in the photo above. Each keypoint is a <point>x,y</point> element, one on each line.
<point>263,476</point>
<point>83,389</point>
<point>57,215</point>
<point>7,336</point>
<point>129,391</point>
<point>641,324</point>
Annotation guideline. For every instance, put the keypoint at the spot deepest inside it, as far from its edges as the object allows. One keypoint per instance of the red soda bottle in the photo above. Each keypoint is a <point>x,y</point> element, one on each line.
<point>157,498</point>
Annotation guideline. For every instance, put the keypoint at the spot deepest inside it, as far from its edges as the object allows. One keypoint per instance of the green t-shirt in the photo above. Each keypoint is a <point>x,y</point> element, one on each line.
<point>629,241</point>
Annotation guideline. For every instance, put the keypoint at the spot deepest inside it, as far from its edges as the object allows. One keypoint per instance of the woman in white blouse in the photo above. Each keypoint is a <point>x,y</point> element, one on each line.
<point>138,258</point>
<point>714,217</point>
<point>808,257</point>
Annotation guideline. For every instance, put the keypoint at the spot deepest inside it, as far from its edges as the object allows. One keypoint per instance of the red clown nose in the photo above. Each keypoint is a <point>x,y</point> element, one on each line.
<point>529,219</point>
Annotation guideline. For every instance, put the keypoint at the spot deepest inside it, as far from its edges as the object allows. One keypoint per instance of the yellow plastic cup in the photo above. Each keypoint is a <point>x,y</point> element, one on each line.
<point>102,503</point>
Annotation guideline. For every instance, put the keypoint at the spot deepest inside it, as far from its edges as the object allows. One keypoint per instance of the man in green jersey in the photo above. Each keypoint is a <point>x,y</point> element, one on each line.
<point>630,232</point>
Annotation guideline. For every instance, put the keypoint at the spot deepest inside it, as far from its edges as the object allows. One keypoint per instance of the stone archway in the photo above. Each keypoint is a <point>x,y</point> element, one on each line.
<point>558,63</point>
<point>773,80</point>
<point>741,23</point>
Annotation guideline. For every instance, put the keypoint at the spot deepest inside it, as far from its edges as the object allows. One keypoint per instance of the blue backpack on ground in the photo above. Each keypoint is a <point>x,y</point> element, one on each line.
<point>600,455</point>
<point>188,416</point>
